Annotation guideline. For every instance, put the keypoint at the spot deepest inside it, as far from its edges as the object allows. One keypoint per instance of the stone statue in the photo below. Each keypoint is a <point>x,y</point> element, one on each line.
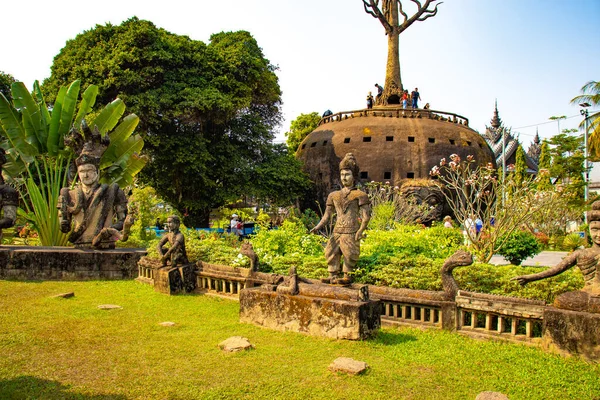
<point>349,204</point>
<point>176,253</point>
<point>95,212</point>
<point>9,199</point>
<point>587,299</point>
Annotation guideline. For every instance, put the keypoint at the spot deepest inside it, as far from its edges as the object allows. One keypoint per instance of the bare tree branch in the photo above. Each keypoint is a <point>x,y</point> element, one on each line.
<point>430,13</point>
<point>402,12</point>
<point>372,8</point>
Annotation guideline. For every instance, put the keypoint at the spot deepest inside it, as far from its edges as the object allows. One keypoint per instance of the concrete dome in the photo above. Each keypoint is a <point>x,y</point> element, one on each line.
<point>389,146</point>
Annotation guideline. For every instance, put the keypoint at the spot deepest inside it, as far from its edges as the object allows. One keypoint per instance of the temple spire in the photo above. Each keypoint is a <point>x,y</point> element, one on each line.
<point>496,122</point>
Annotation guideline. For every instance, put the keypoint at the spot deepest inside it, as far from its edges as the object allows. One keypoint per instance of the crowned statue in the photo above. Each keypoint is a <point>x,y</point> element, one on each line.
<point>95,214</point>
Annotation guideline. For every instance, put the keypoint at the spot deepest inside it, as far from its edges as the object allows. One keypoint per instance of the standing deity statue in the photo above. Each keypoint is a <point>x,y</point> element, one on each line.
<point>587,260</point>
<point>353,212</point>
<point>94,213</point>
<point>9,199</point>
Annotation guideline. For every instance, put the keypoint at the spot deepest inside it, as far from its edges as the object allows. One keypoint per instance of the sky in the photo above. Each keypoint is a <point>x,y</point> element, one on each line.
<point>532,57</point>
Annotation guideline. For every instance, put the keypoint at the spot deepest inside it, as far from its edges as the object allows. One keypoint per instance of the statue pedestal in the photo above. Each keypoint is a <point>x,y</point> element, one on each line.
<point>175,280</point>
<point>572,332</point>
<point>317,316</point>
<point>67,263</point>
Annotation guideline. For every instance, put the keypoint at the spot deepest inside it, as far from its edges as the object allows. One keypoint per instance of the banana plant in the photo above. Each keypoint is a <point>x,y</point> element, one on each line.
<point>34,136</point>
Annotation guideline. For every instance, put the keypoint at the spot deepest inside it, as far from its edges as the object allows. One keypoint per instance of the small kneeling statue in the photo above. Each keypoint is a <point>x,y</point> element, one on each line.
<point>588,298</point>
<point>175,254</point>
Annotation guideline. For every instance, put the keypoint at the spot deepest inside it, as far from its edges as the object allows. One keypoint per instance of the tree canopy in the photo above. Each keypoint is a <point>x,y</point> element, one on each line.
<point>207,111</point>
<point>591,96</point>
<point>300,128</point>
<point>5,81</point>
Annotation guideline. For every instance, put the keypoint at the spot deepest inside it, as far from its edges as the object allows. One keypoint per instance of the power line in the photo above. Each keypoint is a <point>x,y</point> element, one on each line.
<point>546,122</point>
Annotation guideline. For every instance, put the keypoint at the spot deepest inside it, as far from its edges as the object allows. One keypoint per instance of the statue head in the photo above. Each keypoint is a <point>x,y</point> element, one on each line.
<point>88,174</point>
<point>594,222</point>
<point>173,223</point>
<point>348,170</point>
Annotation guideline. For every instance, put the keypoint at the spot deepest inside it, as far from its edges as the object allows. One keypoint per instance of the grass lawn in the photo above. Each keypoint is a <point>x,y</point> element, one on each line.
<point>69,349</point>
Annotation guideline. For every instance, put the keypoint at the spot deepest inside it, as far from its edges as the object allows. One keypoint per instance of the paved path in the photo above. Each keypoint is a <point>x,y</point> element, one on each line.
<point>544,259</point>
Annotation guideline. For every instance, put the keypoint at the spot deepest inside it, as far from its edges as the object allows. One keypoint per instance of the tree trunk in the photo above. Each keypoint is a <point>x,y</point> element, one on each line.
<point>392,90</point>
<point>392,70</point>
<point>197,218</point>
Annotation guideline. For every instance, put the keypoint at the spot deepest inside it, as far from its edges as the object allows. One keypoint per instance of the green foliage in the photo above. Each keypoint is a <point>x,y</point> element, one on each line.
<point>519,246</point>
<point>567,155</point>
<point>591,95</point>
<point>520,172</point>
<point>5,81</point>
<point>146,207</point>
<point>300,128</point>
<point>309,218</point>
<point>34,138</point>
<point>289,245</point>
<point>207,111</point>
<point>572,242</point>
<point>486,278</point>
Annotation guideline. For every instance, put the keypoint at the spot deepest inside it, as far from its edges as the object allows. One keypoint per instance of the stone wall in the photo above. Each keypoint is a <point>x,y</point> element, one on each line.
<point>64,263</point>
<point>316,316</point>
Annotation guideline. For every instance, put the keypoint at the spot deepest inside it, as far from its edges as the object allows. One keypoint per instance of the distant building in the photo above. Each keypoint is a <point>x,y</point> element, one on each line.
<point>493,136</point>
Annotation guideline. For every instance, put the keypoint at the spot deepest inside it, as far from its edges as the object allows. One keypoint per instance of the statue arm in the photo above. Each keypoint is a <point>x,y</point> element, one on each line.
<point>160,245</point>
<point>120,210</point>
<point>365,216</point>
<point>326,217</point>
<point>567,263</point>
<point>63,210</point>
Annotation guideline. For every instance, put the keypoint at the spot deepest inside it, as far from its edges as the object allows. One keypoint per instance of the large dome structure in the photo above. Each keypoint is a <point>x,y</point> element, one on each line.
<point>390,145</point>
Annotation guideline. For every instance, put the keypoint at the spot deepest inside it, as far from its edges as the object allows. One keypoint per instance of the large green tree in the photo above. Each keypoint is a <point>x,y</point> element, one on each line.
<point>300,128</point>
<point>207,111</point>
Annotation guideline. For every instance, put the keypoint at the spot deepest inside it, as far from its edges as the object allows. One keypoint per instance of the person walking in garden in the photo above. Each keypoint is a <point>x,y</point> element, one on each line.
<point>352,207</point>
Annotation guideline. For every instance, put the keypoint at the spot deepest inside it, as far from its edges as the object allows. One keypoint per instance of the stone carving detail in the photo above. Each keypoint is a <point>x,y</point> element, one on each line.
<point>9,199</point>
<point>349,204</point>
<point>587,299</point>
<point>94,214</point>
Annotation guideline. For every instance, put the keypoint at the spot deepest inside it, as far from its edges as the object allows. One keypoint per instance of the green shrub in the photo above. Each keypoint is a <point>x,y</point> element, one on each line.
<point>519,246</point>
<point>290,244</point>
<point>572,242</point>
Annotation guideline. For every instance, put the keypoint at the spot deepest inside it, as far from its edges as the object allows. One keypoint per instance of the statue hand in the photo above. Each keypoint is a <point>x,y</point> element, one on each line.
<point>359,235</point>
<point>523,280</point>
<point>65,226</point>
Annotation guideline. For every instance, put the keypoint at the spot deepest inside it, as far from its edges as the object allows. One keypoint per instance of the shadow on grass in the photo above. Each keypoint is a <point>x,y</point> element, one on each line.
<point>31,387</point>
<point>392,338</point>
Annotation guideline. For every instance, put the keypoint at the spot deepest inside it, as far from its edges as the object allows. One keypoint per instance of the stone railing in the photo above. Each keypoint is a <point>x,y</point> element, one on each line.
<point>477,315</point>
<point>510,318</point>
<point>397,112</point>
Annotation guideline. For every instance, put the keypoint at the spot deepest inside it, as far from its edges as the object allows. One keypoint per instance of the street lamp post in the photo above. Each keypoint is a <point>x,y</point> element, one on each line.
<point>584,112</point>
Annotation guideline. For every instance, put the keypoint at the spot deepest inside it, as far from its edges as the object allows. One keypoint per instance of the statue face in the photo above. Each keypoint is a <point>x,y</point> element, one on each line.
<point>172,225</point>
<point>88,174</point>
<point>347,178</point>
<point>595,232</point>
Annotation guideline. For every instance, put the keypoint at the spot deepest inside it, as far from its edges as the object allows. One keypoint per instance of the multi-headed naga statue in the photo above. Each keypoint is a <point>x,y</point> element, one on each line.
<point>388,15</point>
